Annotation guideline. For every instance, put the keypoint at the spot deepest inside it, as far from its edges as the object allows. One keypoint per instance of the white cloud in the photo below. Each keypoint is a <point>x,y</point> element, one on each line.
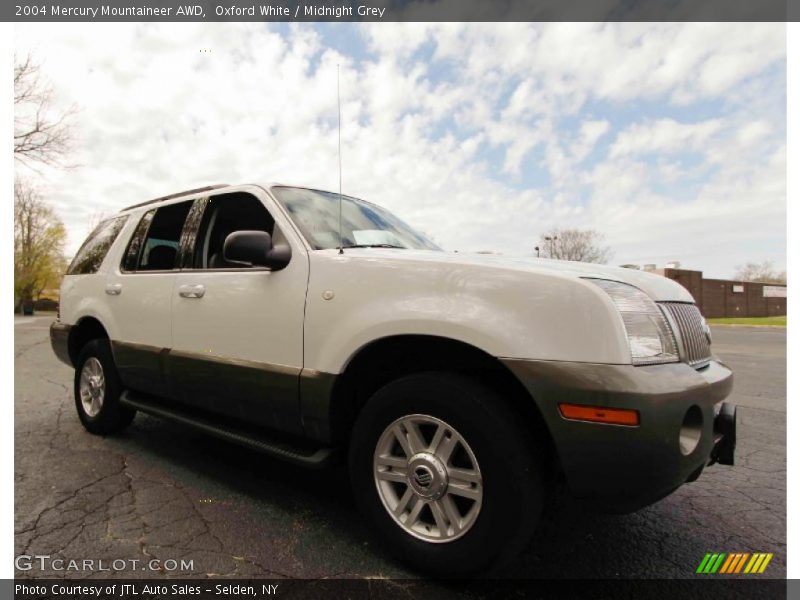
<point>444,124</point>
<point>665,136</point>
<point>590,134</point>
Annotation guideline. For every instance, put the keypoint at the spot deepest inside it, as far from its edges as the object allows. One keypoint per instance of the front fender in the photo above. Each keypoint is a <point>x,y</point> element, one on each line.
<point>353,301</point>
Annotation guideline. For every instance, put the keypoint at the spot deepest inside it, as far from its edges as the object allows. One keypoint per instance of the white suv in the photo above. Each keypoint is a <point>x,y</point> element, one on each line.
<point>463,388</point>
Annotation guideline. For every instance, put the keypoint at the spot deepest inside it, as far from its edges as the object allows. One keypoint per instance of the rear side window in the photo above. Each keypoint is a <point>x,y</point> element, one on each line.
<point>131,258</point>
<point>94,249</point>
<point>159,250</point>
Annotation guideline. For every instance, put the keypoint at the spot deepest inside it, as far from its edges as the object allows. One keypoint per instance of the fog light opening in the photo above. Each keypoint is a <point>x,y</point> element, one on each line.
<point>691,430</point>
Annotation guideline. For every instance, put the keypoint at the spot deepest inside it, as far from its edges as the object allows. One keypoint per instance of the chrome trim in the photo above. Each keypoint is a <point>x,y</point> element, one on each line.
<point>688,325</point>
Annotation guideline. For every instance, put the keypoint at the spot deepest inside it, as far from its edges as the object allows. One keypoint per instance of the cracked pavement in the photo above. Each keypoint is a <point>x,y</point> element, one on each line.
<point>162,491</point>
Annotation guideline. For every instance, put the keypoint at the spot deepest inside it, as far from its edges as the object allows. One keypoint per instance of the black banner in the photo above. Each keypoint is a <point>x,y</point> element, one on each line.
<point>376,589</point>
<point>402,10</point>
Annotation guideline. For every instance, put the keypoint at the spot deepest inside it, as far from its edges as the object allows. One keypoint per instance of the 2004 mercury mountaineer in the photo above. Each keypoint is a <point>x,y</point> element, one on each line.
<point>463,388</point>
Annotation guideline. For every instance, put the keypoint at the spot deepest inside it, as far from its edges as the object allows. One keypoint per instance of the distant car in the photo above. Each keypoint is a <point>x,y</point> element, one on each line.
<point>462,387</point>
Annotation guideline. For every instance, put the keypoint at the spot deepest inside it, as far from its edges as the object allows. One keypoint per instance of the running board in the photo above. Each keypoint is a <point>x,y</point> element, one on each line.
<point>312,458</point>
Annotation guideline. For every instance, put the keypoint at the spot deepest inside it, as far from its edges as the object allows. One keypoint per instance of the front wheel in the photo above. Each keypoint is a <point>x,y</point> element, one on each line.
<point>98,388</point>
<point>443,471</point>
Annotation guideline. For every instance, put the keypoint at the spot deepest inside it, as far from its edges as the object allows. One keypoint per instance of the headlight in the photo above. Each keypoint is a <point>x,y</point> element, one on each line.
<point>649,334</point>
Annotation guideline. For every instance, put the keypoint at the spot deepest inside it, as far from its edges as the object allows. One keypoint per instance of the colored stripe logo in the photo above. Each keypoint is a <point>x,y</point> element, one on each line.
<point>734,563</point>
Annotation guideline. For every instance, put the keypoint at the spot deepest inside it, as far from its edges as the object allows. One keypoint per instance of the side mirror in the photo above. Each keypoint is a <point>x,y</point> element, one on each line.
<point>255,248</point>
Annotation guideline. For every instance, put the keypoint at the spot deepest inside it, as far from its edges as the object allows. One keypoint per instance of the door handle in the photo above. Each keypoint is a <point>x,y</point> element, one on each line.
<point>114,289</point>
<point>192,291</point>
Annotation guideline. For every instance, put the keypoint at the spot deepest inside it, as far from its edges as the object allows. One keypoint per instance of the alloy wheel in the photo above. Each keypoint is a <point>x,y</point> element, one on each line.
<point>92,387</point>
<point>428,478</point>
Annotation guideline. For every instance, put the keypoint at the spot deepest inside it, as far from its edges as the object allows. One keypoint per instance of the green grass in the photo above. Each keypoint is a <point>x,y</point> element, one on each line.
<point>762,321</point>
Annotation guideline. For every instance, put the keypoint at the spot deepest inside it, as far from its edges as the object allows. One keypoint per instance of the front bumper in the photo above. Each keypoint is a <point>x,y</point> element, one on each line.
<point>623,468</point>
<point>724,448</point>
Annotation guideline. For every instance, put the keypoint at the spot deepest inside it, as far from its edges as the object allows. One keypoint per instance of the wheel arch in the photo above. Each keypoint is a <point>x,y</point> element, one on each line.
<point>85,330</point>
<point>386,359</point>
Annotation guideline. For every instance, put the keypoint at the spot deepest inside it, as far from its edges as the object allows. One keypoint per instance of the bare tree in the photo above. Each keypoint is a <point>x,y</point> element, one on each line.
<point>94,220</point>
<point>585,245</point>
<point>763,272</point>
<point>39,238</point>
<point>41,135</point>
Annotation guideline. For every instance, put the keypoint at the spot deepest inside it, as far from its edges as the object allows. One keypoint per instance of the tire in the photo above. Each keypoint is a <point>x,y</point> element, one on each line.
<point>511,483</point>
<point>101,412</point>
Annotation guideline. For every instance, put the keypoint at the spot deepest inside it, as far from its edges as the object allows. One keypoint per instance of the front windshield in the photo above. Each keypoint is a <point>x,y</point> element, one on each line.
<point>364,225</point>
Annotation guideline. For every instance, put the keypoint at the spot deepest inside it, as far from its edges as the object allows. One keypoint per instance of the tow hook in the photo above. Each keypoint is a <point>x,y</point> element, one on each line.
<point>724,435</point>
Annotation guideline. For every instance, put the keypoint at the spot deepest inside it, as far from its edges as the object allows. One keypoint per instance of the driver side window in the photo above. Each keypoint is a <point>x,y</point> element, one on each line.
<point>224,215</point>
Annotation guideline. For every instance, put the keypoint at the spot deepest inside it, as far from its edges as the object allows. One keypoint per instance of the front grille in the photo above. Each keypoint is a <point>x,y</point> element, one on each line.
<point>695,346</point>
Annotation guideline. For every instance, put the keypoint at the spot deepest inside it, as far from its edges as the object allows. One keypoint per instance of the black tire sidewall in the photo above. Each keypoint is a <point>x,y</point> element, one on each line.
<point>112,416</point>
<point>512,477</point>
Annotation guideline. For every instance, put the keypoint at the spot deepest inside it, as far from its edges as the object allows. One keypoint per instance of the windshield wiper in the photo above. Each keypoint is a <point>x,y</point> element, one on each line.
<point>374,246</point>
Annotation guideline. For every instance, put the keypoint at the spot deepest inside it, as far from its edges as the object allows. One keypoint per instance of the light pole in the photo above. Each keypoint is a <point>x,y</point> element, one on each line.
<point>552,241</point>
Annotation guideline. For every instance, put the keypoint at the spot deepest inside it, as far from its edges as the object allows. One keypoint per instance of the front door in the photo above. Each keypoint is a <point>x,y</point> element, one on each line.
<point>237,330</point>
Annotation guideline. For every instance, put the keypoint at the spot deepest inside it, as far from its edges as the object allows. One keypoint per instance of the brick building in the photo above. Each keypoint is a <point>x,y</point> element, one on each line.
<point>725,298</point>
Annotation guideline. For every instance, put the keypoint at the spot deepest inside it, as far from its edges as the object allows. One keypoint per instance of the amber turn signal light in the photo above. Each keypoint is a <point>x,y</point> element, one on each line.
<point>598,414</point>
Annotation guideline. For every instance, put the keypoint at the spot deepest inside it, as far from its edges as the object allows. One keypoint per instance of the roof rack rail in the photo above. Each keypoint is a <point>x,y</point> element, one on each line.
<point>206,188</point>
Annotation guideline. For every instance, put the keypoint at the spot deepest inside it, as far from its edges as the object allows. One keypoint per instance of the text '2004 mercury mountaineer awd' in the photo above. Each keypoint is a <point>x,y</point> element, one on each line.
<point>462,388</point>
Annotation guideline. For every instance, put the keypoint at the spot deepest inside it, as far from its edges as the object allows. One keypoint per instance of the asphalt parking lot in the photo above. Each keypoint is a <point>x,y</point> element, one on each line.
<point>162,491</point>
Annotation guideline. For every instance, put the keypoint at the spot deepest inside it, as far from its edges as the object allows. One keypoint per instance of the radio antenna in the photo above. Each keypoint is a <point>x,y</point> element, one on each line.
<point>339,106</point>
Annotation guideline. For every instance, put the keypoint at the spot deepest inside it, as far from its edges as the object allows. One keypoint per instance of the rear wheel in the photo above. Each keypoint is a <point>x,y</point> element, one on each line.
<point>98,388</point>
<point>443,471</point>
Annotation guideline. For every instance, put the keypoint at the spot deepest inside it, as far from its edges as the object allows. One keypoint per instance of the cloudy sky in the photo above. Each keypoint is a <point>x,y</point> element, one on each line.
<point>667,138</point>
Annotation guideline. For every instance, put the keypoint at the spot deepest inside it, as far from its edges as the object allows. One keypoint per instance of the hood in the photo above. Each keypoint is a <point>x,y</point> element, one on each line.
<point>656,286</point>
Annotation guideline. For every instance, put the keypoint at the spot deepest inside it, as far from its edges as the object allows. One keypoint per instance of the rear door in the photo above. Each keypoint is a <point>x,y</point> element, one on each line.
<point>139,291</point>
<point>238,330</point>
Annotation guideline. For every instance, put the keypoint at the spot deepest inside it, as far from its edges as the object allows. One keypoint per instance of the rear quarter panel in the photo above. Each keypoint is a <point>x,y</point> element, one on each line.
<point>84,295</point>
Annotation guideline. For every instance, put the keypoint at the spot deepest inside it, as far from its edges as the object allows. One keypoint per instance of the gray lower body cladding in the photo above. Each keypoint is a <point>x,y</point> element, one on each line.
<point>622,468</point>
<point>255,393</point>
<point>59,340</point>
<point>250,392</point>
<point>618,467</point>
